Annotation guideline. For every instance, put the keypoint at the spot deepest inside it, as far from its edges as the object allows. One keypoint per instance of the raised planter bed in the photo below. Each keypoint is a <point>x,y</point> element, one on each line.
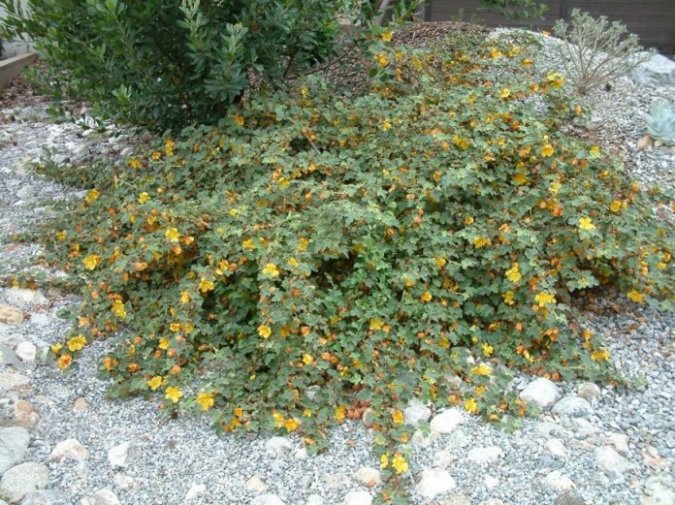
<point>12,67</point>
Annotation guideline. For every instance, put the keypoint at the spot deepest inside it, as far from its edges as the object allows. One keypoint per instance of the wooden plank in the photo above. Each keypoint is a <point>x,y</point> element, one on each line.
<point>12,67</point>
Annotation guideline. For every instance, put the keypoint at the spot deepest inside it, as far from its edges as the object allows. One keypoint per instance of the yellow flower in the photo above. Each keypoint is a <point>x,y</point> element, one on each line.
<point>292,262</point>
<point>264,331</point>
<point>386,125</point>
<point>527,62</point>
<point>76,343</point>
<point>169,146</point>
<point>495,53</point>
<point>185,296</point>
<point>92,261</point>
<point>555,80</point>
<point>505,93</point>
<point>547,151</point>
<point>155,383</point>
<point>384,461</point>
<point>554,187</point>
<point>399,463</point>
<point>239,119</point>
<point>270,270</point>
<point>544,299</point>
<point>135,164</point>
<point>636,296</point>
<point>376,324</point>
<point>519,178</point>
<point>175,327</point>
<point>61,235</point>
<point>248,244</point>
<point>440,261</point>
<point>291,424</point>
<point>307,359</point>
<point>471,406</point>
<point>508,297</point>
<point>615,206</point>
<point>513,273</point>
<point>595,150</point>
<point>206,285</point>
<point>206,400</point>
<point>487,349</point>
<point>340,413</point>
<point>481,369</point>
<point>172,235</point>
<point>55,348</point>
<point>92,196</point>
<point>426,296</point>
<point>600,355</point>
<point>173,393</point>
<point>156,155</point>
<point>118,309</point>
<point>303,243</point>
<point>382,59</point>
<point>143,198</point>
<point>163,343</point>
<point>387,35</point>
<point>278,419</point>
<point>398,417</point>
<point>64,361</point>
<point>586,223</point>
<point>480,242</point>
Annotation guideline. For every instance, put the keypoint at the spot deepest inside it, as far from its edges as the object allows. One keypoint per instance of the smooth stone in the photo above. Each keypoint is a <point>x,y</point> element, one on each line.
<point>255,485</point>
<point>81,405</point>
<point>195,491</point>
<point>118,456</point>
<point>23,479</point>
<point>557,481</point>
<point>620,443</point>
<point>485,455</point>
<point>644,142</point>
<point>69,449</point>
<point>419,439</point>
<point>44,497</point>
<point>447,421</point>
<point>25,414</point>
<point>588,391</point>
<point>573,406</point>
<point>8,357</point>
<point>358,498</point>
<point>659,490</point>
<point>569,498</point>
<point>443,458</point>
<point>610,461</point>
<point>13,446</point>
<point>12,381</point>
<point>434,482</point>
<point>26,351</point>
<point>368,476</point>
<point>278,446</point>
<point>416,412</point>
<point>657,71</point>
<point>314,499</point>
<point>490,482</point>
<point>101,497</point>
<point>542,392</point>
<point>556,448</point>
<point>10,315</point>
<point>368,418</point>
<point>267,499</point>
<point>25,299</point>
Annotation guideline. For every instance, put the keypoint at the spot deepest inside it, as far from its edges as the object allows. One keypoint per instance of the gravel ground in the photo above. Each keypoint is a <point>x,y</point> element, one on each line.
<point>594,445</point>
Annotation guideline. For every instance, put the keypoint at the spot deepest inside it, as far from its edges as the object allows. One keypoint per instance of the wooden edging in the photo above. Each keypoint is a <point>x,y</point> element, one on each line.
<point>12,67</point>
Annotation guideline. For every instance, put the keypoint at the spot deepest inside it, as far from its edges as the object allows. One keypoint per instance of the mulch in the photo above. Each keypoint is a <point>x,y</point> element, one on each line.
<point>20,93</point>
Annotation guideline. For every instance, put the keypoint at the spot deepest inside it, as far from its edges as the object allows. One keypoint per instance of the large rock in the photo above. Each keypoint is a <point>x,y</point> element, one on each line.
<point>573,406</point>
<point>447,421</point>
<point>557,481</point>
<point>368,476</point>
<point>542,392</point>
<point>13,445</point>
<point>26,351</point>
<point>255,485</point>
<point>195,491</point>
<point>118,456</point>
<point>8,357</point>
<point>589,391</point>
<point>358,498</point>
<point>659,490</point>
<point>416,412</point>
<point>657,71</point>
<point>434,482</point>
<point>10,315</point>
<point>23,479</point>
<point>556,448</point>
<point>69,449</point>
<point>26,299</point>
<point>610,461</point>
<point>12,381</point>
<point>485,455</point>
<point>25,414</point>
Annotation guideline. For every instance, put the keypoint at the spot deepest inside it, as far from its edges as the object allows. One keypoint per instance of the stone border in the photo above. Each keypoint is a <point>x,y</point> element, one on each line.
<point>12,67</point>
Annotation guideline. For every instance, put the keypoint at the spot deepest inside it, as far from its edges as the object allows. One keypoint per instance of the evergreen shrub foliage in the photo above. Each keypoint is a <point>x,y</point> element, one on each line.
<point>426,239</point>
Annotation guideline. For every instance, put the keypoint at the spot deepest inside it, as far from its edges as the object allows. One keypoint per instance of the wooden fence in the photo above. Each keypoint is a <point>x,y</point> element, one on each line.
<point>652,20</point>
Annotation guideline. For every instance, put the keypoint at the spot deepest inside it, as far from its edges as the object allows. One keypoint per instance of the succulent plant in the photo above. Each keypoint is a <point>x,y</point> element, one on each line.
<point>661,122</point>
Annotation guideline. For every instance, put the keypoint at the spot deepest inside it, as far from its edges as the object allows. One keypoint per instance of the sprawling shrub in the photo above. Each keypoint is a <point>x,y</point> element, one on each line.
<point>596,51</point>
<point>168,63</point>
<point>320,255</point>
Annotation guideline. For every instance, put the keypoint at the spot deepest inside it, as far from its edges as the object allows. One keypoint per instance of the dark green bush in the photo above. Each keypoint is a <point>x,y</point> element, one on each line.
<point>168,63</point>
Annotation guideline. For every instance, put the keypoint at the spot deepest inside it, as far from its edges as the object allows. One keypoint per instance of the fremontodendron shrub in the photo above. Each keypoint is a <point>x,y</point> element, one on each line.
<point>168,63</point>
<point>321,255</point>
<point>596,51</point>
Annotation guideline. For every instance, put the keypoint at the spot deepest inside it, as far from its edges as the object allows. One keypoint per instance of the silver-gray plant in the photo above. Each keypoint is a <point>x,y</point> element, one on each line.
<point>596,51</point>
<point>661,122</point>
